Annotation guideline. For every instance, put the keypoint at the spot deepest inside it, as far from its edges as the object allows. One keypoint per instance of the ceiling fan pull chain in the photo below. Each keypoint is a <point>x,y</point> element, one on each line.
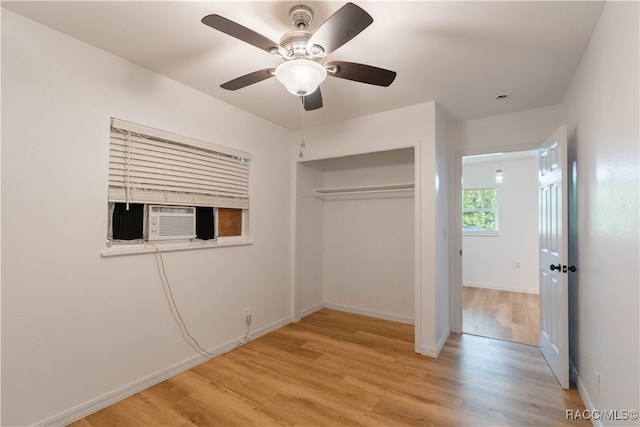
<point>302,108</point>
<point>302,143</point>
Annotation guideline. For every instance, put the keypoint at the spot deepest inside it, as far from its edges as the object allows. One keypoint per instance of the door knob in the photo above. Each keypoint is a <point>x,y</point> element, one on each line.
<point>573,268</point>
<point>555,267</point>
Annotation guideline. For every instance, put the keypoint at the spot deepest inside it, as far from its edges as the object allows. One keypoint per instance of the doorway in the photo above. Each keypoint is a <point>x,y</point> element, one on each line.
<point>500,267</point>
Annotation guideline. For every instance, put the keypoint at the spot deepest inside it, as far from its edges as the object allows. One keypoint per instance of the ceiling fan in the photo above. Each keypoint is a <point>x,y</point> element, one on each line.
<point>302,51</point>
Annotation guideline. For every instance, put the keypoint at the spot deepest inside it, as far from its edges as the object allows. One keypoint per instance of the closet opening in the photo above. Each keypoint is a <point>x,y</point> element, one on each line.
<point>355,235</point>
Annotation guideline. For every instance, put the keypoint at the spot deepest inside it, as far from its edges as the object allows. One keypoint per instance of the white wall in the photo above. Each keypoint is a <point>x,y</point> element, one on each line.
<point>76,326</point>
<point>601,107</point>
<point>505,132</point>
<point>407,127</point>
<point>369,241</point>
<point>309,255</point>
<point>510,260</point>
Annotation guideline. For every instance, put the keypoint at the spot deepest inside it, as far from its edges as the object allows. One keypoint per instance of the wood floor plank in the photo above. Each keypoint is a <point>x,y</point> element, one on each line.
<point>512,316</point>
<point>340,369</point>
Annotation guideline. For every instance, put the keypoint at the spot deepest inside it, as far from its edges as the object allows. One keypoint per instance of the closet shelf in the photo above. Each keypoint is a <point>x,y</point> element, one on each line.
<point>369,189</point>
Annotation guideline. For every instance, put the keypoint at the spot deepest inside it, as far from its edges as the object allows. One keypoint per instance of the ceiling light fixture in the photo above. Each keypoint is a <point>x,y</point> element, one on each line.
<point>499,177</point>
<point>301,76</point>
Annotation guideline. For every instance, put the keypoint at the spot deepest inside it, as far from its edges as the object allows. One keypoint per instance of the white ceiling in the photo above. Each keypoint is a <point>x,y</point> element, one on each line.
<point>461,54</point>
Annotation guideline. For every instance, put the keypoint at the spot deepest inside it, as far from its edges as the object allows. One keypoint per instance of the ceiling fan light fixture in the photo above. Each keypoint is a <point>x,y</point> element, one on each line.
<point>301,76</point>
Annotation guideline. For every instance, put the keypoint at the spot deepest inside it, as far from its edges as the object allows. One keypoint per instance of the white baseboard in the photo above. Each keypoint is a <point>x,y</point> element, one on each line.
<point>310,310</point>
<point>435,351</point>
<point>74,414</point>
<point>582,390</point>
<point>501,288</point>
<point>370,313</point>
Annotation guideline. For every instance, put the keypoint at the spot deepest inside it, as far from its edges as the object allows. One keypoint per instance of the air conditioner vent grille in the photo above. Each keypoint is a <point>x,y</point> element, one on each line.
<point>172,222</point>
<point>176,225</point>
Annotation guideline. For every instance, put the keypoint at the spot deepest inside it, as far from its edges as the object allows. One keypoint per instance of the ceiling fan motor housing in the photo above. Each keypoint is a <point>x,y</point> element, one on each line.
<point>295,42</point>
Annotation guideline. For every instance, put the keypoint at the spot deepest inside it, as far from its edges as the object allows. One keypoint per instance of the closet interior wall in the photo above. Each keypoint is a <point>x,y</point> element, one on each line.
<point>355,235</point>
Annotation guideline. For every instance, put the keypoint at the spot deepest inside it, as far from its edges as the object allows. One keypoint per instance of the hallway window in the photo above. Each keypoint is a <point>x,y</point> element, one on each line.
<point>480,211</point>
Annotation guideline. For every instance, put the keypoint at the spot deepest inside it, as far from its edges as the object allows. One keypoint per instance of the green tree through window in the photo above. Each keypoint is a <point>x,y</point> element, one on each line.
<point>480,210</point>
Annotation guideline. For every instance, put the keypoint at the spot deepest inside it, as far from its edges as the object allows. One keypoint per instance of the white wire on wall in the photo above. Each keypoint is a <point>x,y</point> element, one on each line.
<point>177,316</point>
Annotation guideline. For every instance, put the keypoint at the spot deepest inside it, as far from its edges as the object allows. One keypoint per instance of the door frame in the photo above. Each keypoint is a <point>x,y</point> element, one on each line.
<point>455,272</point>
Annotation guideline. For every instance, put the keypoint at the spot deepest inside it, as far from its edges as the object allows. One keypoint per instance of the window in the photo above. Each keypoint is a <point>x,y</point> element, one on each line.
<point>150,168</point>
<point>480,211</point>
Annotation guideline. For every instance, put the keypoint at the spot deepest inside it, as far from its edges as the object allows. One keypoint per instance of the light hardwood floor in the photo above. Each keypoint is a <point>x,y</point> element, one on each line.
<point>335,369</point>
<point>511,316</point>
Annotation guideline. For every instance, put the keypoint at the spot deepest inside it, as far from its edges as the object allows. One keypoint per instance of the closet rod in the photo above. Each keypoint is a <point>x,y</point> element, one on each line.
<point>388,188</point>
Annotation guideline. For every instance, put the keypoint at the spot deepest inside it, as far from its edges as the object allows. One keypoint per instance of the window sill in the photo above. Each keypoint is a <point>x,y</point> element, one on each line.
<point>146,248</point>
<point>481,234</point>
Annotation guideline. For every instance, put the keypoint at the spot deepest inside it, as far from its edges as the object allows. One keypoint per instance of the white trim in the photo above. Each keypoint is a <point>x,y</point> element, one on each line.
<point>370,313</point>
<point>76,413</point>
<point>310,310</point>
<point>501,288</point>
<point>417,246</point>
<point>480,233</point>
<point>455,244</point>
<point>582,390</point>
<point>142,248</point>
<point>434,352</point>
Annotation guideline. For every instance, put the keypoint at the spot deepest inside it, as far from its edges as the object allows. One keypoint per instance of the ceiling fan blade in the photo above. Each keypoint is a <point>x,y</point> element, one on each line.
<point>312,101</point>
<point>360,73</point>
<point>236,30</point>
<point>346,23</point>
<point>248,79</point>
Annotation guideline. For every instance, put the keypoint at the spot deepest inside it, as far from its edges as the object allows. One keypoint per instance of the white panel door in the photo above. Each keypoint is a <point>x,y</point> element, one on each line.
<point>554,301</point>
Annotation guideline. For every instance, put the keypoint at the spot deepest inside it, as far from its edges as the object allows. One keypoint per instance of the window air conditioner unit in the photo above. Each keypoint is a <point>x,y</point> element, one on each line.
<point>171,222</point>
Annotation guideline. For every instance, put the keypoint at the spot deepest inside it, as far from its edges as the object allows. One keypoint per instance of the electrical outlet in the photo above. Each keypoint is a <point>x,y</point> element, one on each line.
<point>247,315</point>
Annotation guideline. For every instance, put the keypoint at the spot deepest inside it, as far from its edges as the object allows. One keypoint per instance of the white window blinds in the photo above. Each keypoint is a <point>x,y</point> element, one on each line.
<point>152,166</point>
